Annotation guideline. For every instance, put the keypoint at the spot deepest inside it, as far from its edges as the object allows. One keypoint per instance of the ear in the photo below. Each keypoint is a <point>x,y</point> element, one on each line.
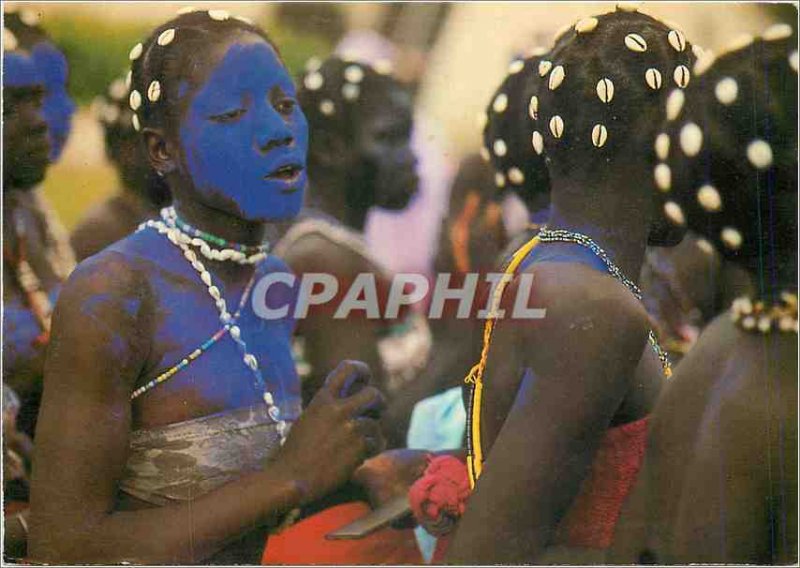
<point>159,151</point>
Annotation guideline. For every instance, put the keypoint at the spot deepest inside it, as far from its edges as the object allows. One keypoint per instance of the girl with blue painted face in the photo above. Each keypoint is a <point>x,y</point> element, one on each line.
<point>170,430</point>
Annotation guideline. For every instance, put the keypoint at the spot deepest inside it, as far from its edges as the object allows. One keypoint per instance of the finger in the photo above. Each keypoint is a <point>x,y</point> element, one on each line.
<point>368,400</point>
<point>346,374</point>
<point>370,431</point>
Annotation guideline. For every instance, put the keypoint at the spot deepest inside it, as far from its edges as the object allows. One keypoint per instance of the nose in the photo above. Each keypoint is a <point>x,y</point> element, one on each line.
<point>273,132</point>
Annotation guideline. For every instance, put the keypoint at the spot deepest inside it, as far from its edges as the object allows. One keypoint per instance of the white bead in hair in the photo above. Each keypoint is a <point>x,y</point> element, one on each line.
<point>636,43</point>
<point>499,180</point>
<point>705,246</point>
<point>326,107</point>
<point>726,90</point>
<point>516,66</point>
<point>117,89</point>
<point>383,67</point>
<point>760,154</point>
<point>793,60</point>
<point>135,121</point>
<point>681,75</point>
<point>516,176</point>
<point>557,126</point>
<point>704,63</point>
<point>166,37</point>
<point>674,213</point>
<point>29,17</point>
<point>154,91</point>
<point>538,142</point>
<point>485,155</point>
<point>533,108</point>
<point>245,20</point>
<point>675,104</point>
<point>709,199</point>
<point>605,90</point>
<point>186,10</point>
<point>677,40</point>
<point>128,79</point>
<point>10,42</point>
<point>313,81</point>
<point>219,15</point>
<point>662,146</point>
<point>135,100</point>
<point>628,6</point>
<point>500,103</point>
<point>699,51</point>
<point>586,25</point>
<point>481,120</point>
<point>135,52</point>
<point>777,32</point>
<point>537,51</point>
<point>544,67</point>
<point>599,135</point>
<point>351,92</point>
<point>731,238</point>
<point>556,77</point>
<point>740,41</point>
<point>653,78</point>
<point>354,74</point>
<point>500,148</point>
<point>313,64</point>
<point>691,139</point>
<point>663,177</point>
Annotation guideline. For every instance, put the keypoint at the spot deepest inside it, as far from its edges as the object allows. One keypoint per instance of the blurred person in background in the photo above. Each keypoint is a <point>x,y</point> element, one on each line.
<point>719,481</point>
<point>143,192</point>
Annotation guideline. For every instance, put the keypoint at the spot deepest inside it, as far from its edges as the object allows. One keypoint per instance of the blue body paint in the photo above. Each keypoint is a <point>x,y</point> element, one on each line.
<point>58,107</point>
<point>238,131</point>
<point>19,70</point>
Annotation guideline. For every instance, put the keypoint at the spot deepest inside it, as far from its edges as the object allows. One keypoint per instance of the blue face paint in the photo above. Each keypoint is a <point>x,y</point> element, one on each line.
<point>245,138</point>
<point>58,107</point>
<point>19,70</point>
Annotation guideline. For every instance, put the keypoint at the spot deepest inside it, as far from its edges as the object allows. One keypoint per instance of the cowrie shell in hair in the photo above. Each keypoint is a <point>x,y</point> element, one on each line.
<point>628,6</point>
<point>635,42</point>
<point>481,120</point>
<point>556,77</point>
<point>653,78</point>
<point>561,31</point>
<point>681,76</point>
<point>709,199</point>
<point>326,107</point>
<point>154,91</point>
<point>135,121</point>
<point>662,146</point>
<point>557,126</point>
<point>351,92</point>
<point>533,107</point>
<point>487,157</point>
<point>9,40</point>
<point>500,148</point>
<point>605,89</point>
<point>29,17</point>
<point>740,41</point>
<point>244,20</point>
<point>313,81</point>
<point>135,100</point>
<point>599,135</point>
<point>117,89</point>
<point>516,66</point>
<point>704,63</point>
<point>691,139</point>
<point>166,37</point>
<point>544,67</point>
<point>705,246</point>
<point>586,25</point>
<point>760,154</point>
<point>516,176</point>
<point>663,177</point>
<point>699,51</point>
<point>383,67</point>
<point>726,90</point>
<point>354,74</point>
<point>731,238</point>
<point>499,180</point>
<point>793,60</point>
<point>674,213</point>
<point>500,103</point>
<point>313,64</point>
<point>776,32</point>
<point>135,52</point>
<point>677,40</point>
<point>538,142</point>
<point>219,15</point>
<point>128,79</point>
<point>186,10</point>
<point>537,51</point>
<point>675,104</point>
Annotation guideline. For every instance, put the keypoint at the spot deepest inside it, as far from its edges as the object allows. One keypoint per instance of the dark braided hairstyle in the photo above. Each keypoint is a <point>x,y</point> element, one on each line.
<point>24,24</point>
<point>732,153</point>
<point>164,66</point>
<point>592,102</point>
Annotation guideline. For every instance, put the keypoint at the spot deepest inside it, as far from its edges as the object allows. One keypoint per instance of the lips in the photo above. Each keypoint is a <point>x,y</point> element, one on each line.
<point>288,173</point>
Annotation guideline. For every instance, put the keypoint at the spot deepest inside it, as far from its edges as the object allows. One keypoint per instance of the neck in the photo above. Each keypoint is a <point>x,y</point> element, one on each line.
<point>332,200</point>
<point>219,223</point>
<point>618,225</point>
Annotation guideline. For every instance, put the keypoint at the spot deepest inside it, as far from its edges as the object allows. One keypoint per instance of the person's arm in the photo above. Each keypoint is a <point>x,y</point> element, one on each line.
<point>581,357</point>
<point>101,334</point>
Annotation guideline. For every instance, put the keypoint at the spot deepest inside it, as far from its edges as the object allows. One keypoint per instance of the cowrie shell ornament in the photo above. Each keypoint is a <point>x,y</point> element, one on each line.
<point>353,74</point>
<point>731,238</point>
<point>677,40</point>
<point>186,10</point>
<point>777,32</point>
<point>544,67</point>
<point>135,122</point>
<point>793,60</point>
<point>726,90</point>
<point>166,37</point>
<point>29,17</point>
<point>538,142</point>
<point>674,213</point>
<point>709,199</point>
<point>675,104</point>
<point>599,135</point>
<point>117,90</point>
<point>516,66</point>
<point>556,77</point>
<point>128,79</point>
<point>681,75</point>
<point>500,148</point>
<point>500,103</point>
<point>704,63</point>
<point>10,42</point>
<point>499,180</point>
<point>760,154</point>
<point>653,78</point>
<point>154,91</point>
<point>516,176</point>
<point>557,126</point>
<point>628,6</point>
<point>313,81</point>
<point>351,92</point>
<point>691,139</point>
<point>533,107</point>
<point>586,25</point>
<point>135,52</point>
<point>662,146</point>
<point>636,43</point>
<point>327,107</point>
<point>605,90</point>
<point>663,177</point>
<point>219,15</point>
<point>135,100</point>
<point>487,157</point>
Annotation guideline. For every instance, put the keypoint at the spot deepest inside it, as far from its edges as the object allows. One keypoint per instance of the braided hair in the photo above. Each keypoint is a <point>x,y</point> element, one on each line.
<point>24,24</point>
<point>163,66</point>
<point>589,103</point>
<point>732,153</point>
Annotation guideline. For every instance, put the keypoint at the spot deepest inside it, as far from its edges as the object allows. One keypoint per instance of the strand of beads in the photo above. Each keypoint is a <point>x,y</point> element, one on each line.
<point>558,235</point>
<point>182,241</point>
<point>753,315</point>
<point>243,254</point>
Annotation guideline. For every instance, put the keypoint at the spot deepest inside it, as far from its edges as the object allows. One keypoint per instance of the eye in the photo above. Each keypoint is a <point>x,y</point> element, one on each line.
<point>286,106</point>
<point>229,116</point>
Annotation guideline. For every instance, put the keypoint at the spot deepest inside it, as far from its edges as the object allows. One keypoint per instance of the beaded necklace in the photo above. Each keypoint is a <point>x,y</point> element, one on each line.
<point>475,376</point>
<point>183,241</point>
<point>756,316</point>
